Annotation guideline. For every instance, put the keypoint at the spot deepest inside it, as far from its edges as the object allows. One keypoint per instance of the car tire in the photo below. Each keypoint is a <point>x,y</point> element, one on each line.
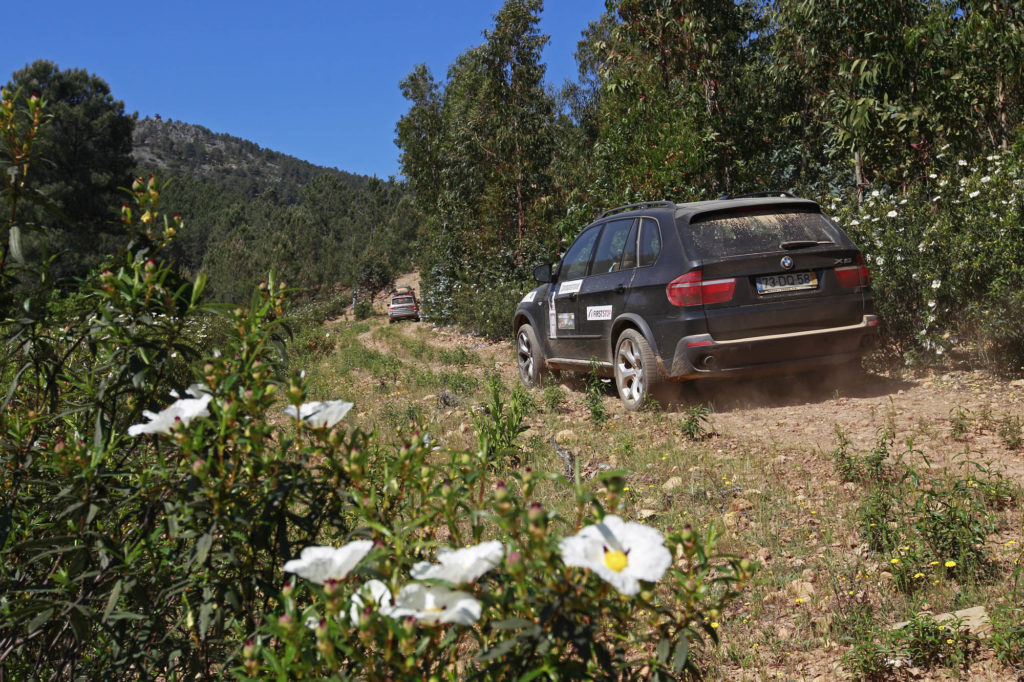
<point>636,371</point>
<point>529,357</point>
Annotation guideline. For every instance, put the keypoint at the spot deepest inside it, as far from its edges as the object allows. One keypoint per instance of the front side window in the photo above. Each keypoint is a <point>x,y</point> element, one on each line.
<point>609,250</point>
<point>574,265</point>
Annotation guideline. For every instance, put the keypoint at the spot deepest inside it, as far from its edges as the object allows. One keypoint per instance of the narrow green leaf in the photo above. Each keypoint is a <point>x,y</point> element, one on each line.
<point>14,244</point>
<point>115,594</point>
<point>681,654</point>
<point>203,548</point>
<point>663,648</point>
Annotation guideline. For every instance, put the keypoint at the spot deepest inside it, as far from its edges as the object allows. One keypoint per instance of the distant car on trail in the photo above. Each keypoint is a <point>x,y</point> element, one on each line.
<point>404,305</point>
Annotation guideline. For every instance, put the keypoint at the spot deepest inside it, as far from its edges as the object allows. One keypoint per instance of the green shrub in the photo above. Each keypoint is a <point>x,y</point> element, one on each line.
<point>594,387</point>
<point>363,310</point>
<point>929,643</point>
<point>847,464</point>
<point>947,260</point>
<point>696,422</point>
<point>954,524</point>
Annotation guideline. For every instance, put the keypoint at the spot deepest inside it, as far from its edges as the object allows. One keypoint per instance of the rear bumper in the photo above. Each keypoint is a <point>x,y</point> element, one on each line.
<point>700,355</point>
<point>406,314</point>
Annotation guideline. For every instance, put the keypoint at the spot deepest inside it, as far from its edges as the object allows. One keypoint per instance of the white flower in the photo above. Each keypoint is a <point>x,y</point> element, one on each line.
<point>320,414</point>
<point>880,261</point>
<point>434,604</point>
<point>931,304</point>
<point>874,192</point>
<point>620,552</point>
<point>380,594</point>
<point>932,176</point>
<point>183,409</point>
<point>936,283</point>
<point>319,564</point>
<point>974,194</point>
<point>987,178</point>
<point>961,162</point>
<point>461,565</point>
<point>855,222</point>
<point>892,214</point>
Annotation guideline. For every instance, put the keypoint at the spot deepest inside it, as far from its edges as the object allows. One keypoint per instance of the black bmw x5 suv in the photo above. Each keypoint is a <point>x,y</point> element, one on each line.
<point>661,292</point>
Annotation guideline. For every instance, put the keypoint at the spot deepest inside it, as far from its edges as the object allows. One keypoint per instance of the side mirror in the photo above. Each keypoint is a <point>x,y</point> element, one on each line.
<point>542,273</point>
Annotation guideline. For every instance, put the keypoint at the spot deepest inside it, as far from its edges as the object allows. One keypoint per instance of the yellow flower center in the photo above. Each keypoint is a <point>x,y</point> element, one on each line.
<point>615,559</point>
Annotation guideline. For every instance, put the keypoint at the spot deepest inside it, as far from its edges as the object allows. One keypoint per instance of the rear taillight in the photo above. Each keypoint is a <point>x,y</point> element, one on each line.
<point>850,276</point>
<point>691,289</point>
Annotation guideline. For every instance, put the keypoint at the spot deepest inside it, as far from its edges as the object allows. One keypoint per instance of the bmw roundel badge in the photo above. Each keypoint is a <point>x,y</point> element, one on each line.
<point>786,263</point>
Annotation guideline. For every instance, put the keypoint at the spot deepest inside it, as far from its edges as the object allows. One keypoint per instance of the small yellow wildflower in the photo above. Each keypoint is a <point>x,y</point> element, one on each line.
<point>714,624</point>
<point>919,575</point>
<point>950,564</point>
<point>894,561</point>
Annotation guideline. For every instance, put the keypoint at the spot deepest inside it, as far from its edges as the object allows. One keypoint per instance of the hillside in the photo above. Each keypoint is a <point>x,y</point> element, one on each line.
<point>175,148</point>
<point>918,453</point>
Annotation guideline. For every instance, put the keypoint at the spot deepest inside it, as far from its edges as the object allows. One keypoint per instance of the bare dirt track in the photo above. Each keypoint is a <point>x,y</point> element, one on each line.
<point>951,415</point>
<point>948,415</point>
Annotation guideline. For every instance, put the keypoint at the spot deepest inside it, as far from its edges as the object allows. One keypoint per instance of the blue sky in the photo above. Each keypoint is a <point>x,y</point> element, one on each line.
<point>317,80</point>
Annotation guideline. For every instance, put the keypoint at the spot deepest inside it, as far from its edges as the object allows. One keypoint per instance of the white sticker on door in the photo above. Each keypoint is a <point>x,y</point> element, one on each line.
<point>571,287</point>
<point>529,297</point>
<point>551,314</point>
<point>599,312</point>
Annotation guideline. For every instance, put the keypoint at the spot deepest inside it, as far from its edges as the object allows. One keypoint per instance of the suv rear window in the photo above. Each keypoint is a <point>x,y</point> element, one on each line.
<point>759,231</point>
<point>401,300</point>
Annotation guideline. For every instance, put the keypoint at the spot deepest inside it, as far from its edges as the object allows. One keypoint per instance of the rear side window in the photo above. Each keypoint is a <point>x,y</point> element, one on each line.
<point>760,231</point>
<point>650,242</point>
<point>609,250</point>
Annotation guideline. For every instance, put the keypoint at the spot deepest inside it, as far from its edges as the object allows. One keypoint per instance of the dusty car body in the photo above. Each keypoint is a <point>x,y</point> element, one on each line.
<point>659,293</point>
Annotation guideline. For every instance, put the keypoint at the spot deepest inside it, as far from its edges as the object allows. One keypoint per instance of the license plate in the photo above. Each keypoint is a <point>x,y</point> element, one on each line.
<point>790,281</point>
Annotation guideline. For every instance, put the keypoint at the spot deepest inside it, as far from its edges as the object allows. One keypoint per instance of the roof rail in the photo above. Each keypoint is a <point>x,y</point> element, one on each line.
<point>642,204</point>
<point>755,195</point>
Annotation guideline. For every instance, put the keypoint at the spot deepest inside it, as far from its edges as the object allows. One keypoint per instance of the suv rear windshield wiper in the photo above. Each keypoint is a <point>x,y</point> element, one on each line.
<point>800,244</point>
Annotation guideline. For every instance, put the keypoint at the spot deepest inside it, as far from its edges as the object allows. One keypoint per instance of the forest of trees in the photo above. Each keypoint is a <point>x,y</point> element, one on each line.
<point>686,100</point>
<point>249,211</point>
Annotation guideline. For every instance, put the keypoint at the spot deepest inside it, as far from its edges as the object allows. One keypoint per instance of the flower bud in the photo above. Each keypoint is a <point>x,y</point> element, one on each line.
<point>689,539</point>
<point>500,491</point>
<point>288,588</point>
